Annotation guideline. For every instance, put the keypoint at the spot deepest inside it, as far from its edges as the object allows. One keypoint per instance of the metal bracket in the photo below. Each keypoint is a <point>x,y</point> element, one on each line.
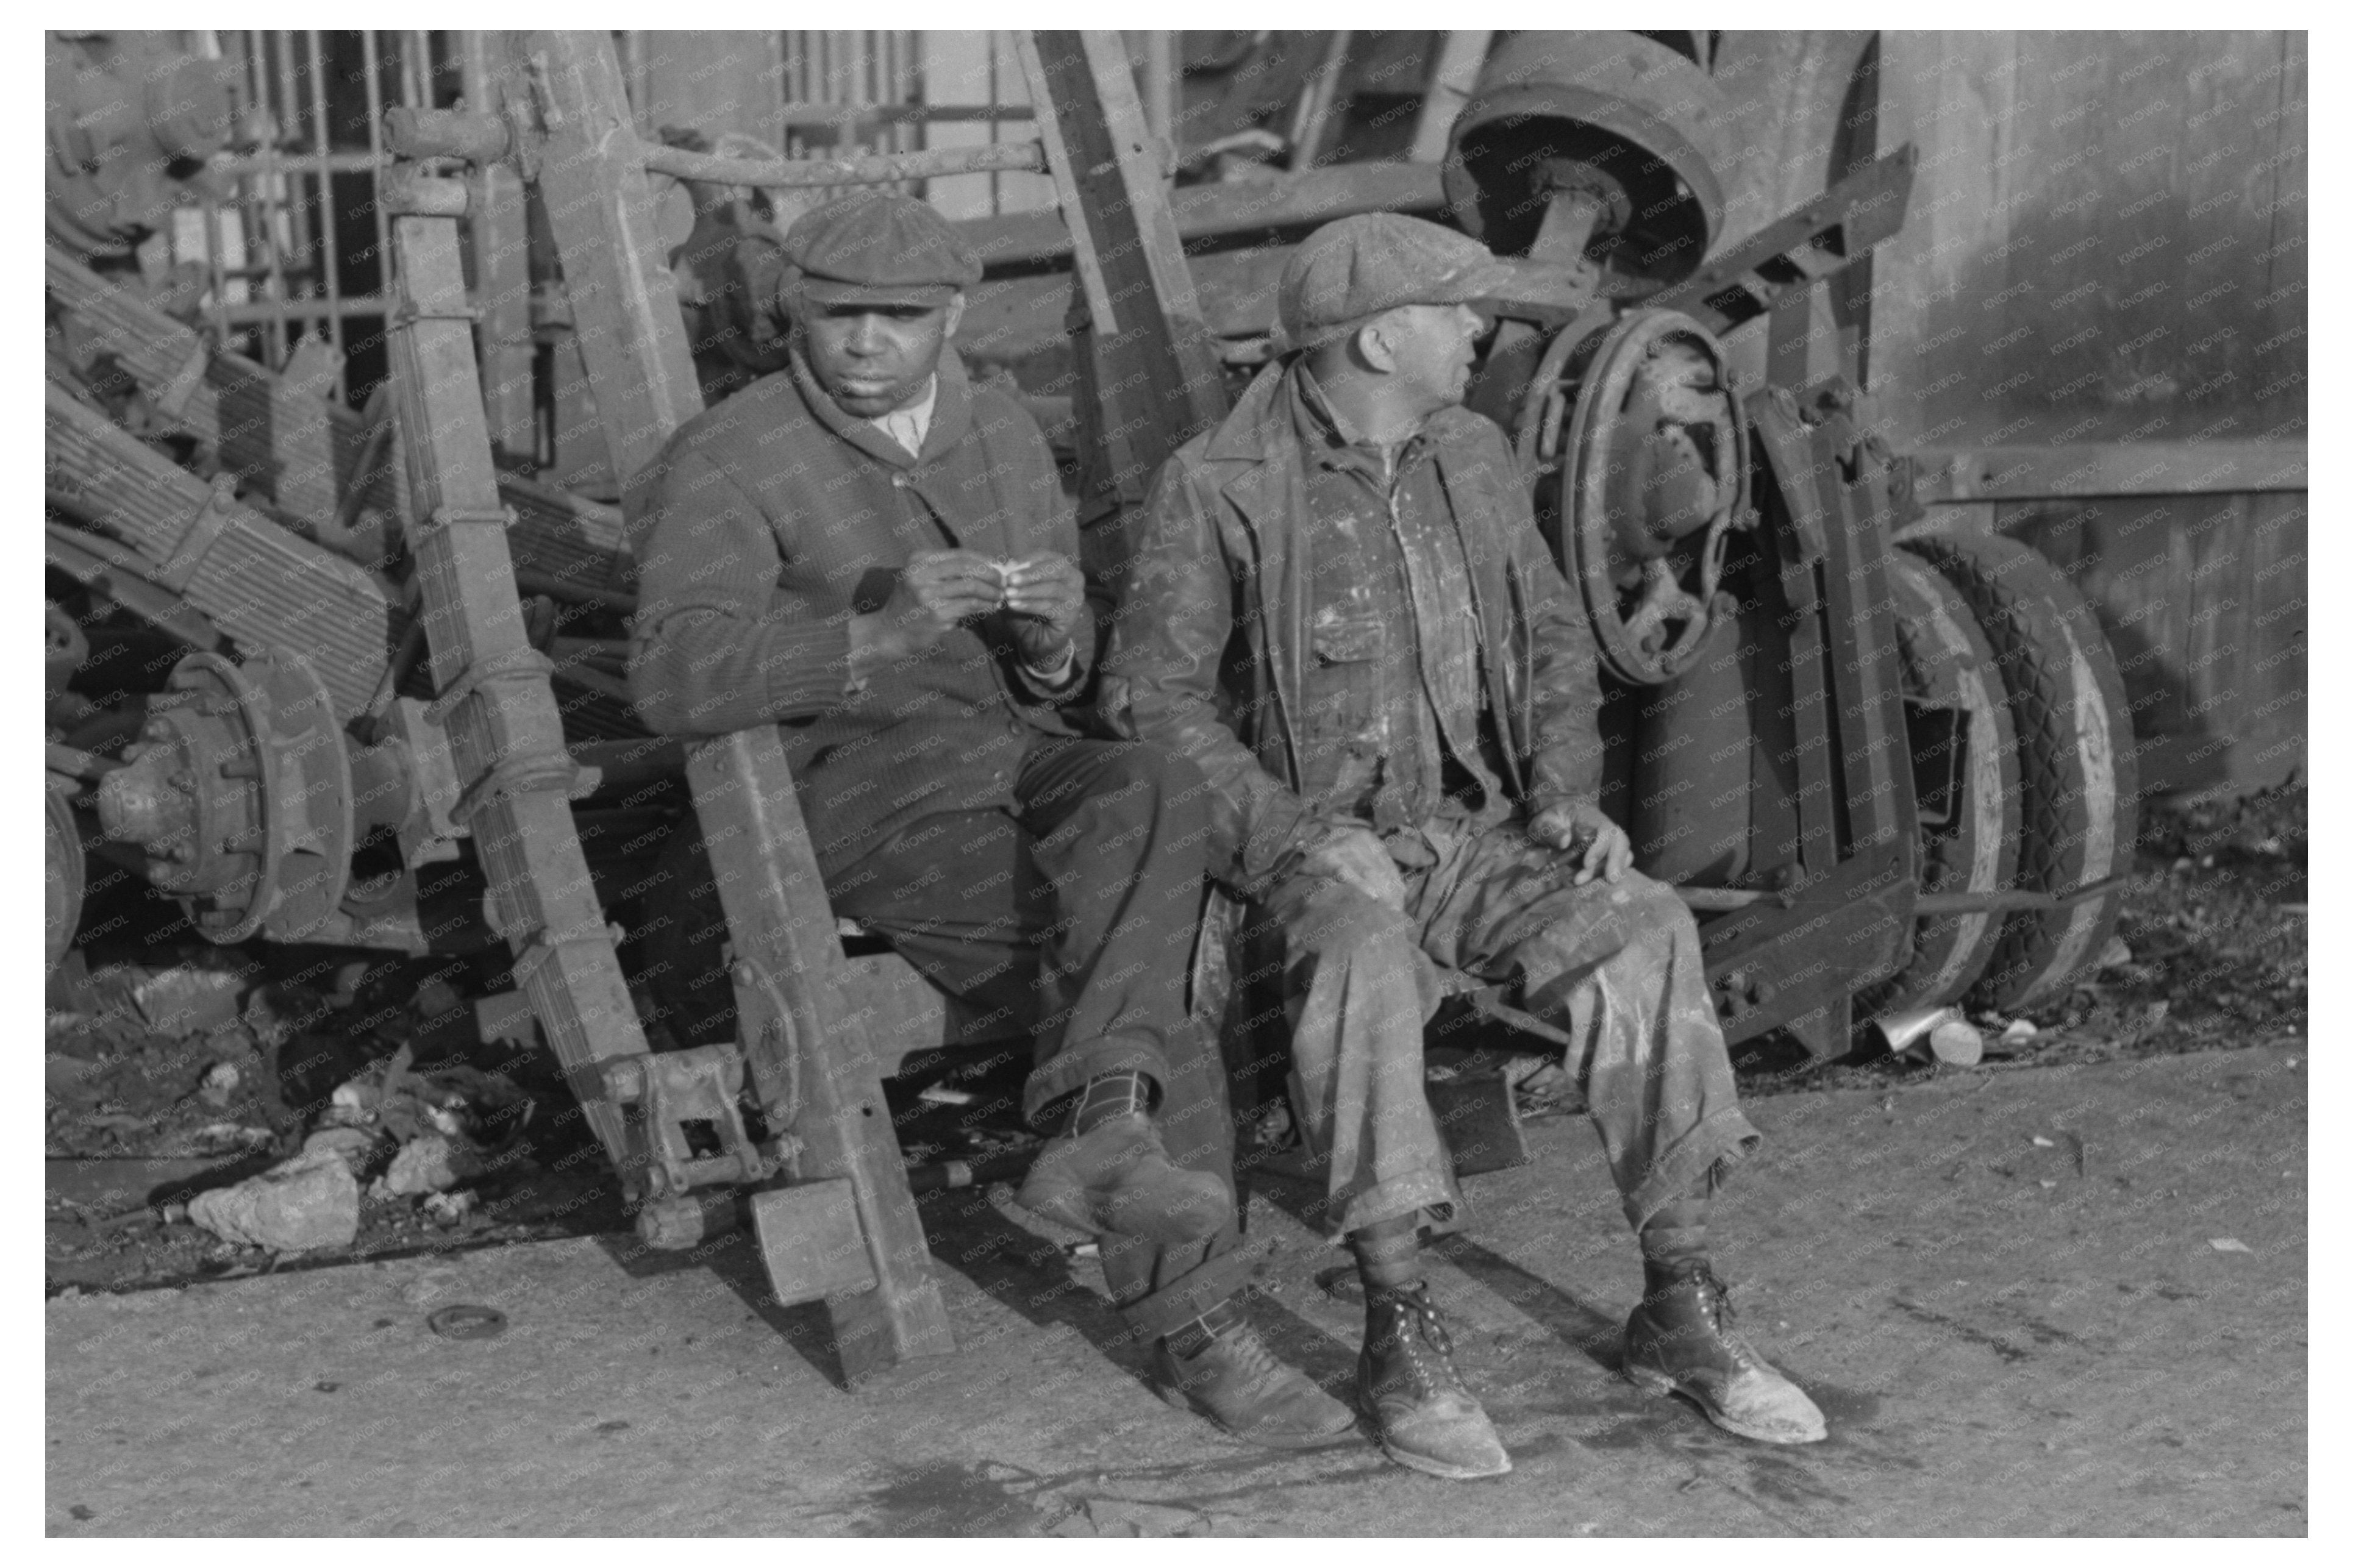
<point>172,401</point>
<point>407,314</point>
<point>431,829</point>
<point>669,1091</point>
<point>203,531</point>
<point>770,1044</point>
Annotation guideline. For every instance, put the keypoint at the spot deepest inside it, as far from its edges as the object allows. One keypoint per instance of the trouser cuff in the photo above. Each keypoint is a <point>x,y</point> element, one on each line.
<point>1716,1144</point>
<point>1391,1199</point>
<point>1181,1300</point>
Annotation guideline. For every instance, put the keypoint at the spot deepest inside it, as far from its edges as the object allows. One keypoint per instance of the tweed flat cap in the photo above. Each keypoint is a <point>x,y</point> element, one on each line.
<point>1358,267</point>
<point>876,249</point>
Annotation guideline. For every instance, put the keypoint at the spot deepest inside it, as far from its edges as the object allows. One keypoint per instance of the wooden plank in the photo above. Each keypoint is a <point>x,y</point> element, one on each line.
<point>778,910</point>
<point>633,343</point>
<point>615,268</point>
<point>2272,732</point>
<point>1148,377</point>
<point>2094,263</point>
<point>2210,677</point>
<point>2108,468</point>
<point>1451,77</point>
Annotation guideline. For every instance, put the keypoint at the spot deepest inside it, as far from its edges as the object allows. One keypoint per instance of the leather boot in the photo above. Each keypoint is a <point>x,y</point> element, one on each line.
<point>1217,1366</point>
<point>1410,1394</point>
<point>1109,1171</point>
<point>1680,1340</point>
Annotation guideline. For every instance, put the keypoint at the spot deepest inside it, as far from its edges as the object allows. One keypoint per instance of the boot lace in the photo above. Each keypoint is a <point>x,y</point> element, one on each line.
<point>1418,1317</point>
<point>1247,1355</point>
<point>1715,1303</point>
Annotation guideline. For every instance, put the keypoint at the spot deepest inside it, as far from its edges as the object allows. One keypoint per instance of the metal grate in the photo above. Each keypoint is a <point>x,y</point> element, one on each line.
<point>293,242</point>
<point>280,263</point>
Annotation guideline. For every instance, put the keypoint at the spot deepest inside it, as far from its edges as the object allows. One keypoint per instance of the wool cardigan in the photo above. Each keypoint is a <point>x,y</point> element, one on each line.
<point>774,518</point>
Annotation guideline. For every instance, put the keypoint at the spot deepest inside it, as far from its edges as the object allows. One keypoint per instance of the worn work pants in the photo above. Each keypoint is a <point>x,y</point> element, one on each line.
<point>1076,914</point>
<point>1616,967</point>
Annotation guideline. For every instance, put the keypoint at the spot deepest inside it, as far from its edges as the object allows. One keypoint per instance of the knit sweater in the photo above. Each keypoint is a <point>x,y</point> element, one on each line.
<point>774,518</point>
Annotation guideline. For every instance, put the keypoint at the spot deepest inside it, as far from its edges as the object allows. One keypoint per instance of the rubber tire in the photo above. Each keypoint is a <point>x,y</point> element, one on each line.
<point>2075,757</point>
<point>63,877</point>
<point>1944,653</point>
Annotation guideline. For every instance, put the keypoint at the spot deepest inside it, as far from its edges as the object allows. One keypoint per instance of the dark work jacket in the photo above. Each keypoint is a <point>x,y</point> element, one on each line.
<point>775,516</point>
<point>1209,644</point>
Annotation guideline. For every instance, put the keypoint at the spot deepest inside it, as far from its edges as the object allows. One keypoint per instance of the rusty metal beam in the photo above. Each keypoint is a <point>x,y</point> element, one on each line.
<point>791,174</point>
<point>1794,252</point>
<point>494,699</point>
<point>496,236</point>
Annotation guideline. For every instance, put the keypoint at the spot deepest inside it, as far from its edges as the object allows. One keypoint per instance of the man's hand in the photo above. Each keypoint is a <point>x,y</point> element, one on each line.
<point>1045,595</point>
<point>938,589</point>
<point>1355,855</point>
<point>1599,845</point>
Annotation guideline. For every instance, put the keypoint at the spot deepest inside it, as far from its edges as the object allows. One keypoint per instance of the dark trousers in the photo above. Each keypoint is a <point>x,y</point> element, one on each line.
<point>1076,912</point>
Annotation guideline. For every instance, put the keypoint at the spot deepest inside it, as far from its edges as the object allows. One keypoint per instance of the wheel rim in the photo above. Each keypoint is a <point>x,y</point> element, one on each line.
<point>2076,769</point>
<point>1947,663</point>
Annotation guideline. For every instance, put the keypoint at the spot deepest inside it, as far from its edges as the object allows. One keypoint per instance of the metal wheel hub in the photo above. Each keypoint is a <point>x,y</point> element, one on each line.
<point>240,790</point>
<point>1647,456</point>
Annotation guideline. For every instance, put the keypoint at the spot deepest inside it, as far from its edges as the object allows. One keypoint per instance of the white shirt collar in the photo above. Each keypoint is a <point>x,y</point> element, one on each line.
<point>910,424</point>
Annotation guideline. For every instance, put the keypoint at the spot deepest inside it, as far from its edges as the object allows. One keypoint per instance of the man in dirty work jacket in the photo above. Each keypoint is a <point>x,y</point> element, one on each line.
<point>874,555</point>
<point>1340,610</point>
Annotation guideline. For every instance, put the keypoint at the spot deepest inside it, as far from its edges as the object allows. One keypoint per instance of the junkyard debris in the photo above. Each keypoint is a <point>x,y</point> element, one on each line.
<point>466,1322</point>
<point>310,1201</point>
<point>430,1163</point>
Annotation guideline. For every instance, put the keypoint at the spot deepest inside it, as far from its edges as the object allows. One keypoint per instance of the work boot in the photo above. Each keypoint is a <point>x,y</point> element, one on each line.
<point>1679,1341</point>
<point>1108,1172</point>
<point>1218,1365</point>
<point>1408,1389</point>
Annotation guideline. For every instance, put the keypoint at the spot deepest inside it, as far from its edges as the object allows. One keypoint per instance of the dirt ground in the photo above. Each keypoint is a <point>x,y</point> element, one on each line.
<point>2060,1293</point>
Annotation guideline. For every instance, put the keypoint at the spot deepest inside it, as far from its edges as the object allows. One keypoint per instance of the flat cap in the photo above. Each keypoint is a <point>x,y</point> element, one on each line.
<point>1358,267</point>
<point>871,249</point>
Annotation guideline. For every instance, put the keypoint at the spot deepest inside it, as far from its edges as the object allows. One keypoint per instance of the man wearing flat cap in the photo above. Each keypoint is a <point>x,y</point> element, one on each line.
<point>1340,610</point>
<point>874,554</point>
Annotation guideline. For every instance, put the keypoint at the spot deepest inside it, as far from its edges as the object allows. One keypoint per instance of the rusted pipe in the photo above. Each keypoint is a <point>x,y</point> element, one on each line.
<point>1977,903</point>
<point>775,174</point>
